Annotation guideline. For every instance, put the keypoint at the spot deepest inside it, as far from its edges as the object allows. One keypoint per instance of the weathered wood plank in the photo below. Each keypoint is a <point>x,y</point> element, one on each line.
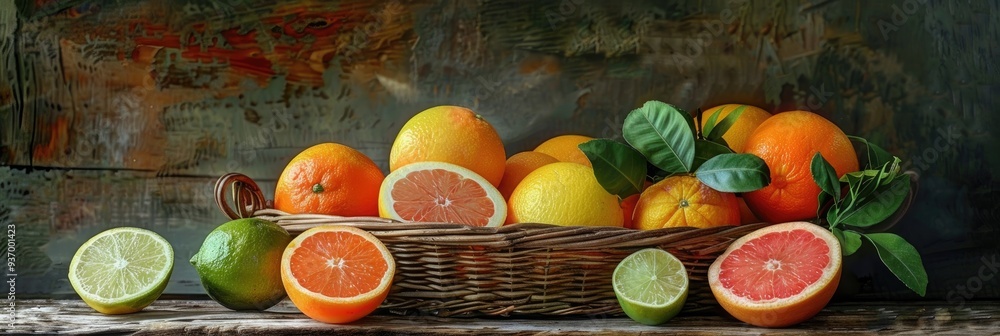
<point>197,317</point>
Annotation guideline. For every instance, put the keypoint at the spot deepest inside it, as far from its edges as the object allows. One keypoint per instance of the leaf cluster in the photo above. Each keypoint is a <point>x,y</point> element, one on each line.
<point>872,196</point>
<point>664,139</point>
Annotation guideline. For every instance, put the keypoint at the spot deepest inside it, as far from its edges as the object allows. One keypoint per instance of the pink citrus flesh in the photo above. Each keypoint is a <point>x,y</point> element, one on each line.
<point>778,276</point>
<point>441,192</point>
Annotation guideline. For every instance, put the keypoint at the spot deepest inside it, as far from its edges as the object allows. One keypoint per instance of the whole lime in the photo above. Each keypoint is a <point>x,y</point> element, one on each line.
<point>240,264</point>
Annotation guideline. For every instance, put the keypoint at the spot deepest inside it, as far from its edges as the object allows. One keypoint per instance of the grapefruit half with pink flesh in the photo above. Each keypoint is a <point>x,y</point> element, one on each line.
<point>441,192</point>
<point>777,276</point>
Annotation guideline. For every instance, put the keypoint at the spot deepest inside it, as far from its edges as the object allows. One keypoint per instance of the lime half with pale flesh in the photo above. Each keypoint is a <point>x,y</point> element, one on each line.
<point>651,286</point>
<point>121,270</point>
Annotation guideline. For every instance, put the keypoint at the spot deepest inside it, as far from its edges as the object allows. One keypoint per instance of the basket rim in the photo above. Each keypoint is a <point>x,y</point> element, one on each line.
<point>249,201</point>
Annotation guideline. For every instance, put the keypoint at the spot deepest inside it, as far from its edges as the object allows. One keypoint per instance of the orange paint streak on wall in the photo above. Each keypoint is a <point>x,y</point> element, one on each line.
<point>317,39</point>
<point>243,58</point>
<point>58,135</point>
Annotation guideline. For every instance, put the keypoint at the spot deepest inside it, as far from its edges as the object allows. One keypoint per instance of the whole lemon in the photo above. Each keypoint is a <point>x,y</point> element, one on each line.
<point>739,132</point>
<point>520,165</point>
<point>563,193</point>
<point>566,148</point>
<point>240,264</point>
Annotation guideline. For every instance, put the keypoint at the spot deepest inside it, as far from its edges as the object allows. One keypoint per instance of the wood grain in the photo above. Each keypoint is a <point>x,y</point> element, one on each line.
<point>199,317</point>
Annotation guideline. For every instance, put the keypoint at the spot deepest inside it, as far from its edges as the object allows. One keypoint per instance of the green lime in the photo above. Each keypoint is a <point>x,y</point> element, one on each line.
<point>240,264</point>
<point>651,286</point>
<point>121,270</point>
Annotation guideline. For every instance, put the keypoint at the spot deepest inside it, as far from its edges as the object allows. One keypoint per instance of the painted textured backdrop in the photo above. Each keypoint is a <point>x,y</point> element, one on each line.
<point>118,113</point>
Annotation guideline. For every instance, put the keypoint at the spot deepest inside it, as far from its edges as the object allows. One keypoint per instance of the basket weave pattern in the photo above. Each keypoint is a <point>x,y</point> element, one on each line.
<point>523,269</point>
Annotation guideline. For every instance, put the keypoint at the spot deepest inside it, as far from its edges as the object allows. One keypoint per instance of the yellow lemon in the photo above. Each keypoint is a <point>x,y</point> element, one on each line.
<point>520,165</point>
<point>737,134</point>
<point>563,193</point>
<point>566,148</point>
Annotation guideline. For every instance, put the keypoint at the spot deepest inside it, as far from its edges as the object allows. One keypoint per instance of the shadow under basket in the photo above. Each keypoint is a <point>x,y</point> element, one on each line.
<point>523,269</point>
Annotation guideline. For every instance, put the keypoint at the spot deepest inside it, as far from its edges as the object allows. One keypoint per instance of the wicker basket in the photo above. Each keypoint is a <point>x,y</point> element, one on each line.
<point>522,269</point>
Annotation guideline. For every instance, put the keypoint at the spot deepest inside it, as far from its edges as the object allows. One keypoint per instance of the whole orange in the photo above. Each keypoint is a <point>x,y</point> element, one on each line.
<point>683,200</point>
<point>566,148</point>
<point>518,166</point>
<point>628,209</point>
<point>330,179</point>
<point>746,216</point>
<point>451,134</point>
<point>787,142</point>
<point>737,135</point>
<point>628,205</point>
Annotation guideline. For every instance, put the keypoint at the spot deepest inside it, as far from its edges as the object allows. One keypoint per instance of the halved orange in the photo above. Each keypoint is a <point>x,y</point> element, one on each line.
<point>441,192</point>
<point>337,274</point>
<point>777,276</point>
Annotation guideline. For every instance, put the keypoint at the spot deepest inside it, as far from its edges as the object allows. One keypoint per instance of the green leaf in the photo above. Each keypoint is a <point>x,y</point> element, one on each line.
<point>868,185</point>
<point>880,205</point>
<point>687,116</point>
<point>850,241</point>
<point>876,156</point>
<point>857,176</point>
<point>705,150</point>
<point>734,173</point>
<point>821,200</point>
<point>902,259</point>
<point>710,123</point>
<point>860,187</point>
<point>723,126</point>
<point>620,169</point>
<point>663,134</point>
<point>825,177</point>
<point>890,169</point>
<point>833,215</point>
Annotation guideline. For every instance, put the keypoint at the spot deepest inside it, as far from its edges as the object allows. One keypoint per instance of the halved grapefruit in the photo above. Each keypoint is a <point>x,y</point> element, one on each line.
<point>337,274</point>
<point>779,275</point>
<point>441,192</point>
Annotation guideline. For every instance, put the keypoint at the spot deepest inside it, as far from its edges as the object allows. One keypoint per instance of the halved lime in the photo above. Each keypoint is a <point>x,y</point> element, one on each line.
<point>651,286</point>
<point>121,270</point>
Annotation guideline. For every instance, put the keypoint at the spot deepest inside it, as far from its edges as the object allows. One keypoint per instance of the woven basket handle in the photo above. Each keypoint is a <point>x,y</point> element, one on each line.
<point>246,195</point>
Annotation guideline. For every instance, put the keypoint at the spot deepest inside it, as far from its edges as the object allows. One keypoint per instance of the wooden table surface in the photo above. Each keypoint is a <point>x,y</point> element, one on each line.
<point>197,317</point>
